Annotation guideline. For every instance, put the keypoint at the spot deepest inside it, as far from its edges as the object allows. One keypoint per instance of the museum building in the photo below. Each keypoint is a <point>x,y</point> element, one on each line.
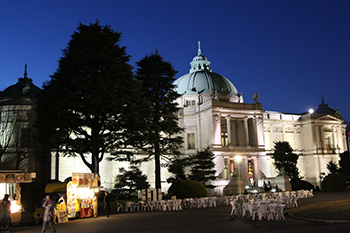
<point>213,114</point>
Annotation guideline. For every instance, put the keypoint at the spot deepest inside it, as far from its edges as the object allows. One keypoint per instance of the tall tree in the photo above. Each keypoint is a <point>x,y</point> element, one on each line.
<point>344,163</point>
<point>203,167</point>
<point>160,128</point>
<point>86,107</point>
<point>286,160</point>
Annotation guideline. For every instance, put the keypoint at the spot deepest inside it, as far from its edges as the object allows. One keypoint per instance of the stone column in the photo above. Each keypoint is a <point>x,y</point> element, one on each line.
<point>217,131</point>
<point>255,132</point>
<point>246,131</point>
<point>228,126</point>
<point>334,138</point>
<point>321,137</point>
<point>233,132</point>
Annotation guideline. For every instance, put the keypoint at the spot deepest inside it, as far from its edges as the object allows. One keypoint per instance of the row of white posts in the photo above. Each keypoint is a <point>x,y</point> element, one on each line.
<point>151,194</point>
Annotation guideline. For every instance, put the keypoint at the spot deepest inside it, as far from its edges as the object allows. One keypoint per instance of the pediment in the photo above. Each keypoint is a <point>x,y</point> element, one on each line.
<point>330,118</point>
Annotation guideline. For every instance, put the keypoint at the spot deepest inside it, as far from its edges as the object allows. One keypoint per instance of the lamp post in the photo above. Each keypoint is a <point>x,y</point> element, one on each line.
<point>238,159</point>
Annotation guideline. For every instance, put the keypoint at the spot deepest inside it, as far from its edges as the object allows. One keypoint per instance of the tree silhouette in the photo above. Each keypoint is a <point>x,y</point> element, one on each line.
<point>344,163</point>
<point>286,160</point>
<point>203,167</point>
<point>87,106</point>
<point>159,129</point>
<point>130,181</point>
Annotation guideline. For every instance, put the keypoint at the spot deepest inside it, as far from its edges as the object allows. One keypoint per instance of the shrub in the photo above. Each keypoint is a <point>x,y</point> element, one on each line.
<point>302,185</point>
<point>187,189</point>
<point>335,182</point>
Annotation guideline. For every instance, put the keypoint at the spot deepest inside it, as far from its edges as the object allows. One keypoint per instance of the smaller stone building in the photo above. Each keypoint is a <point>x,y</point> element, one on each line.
<point>19,148</point>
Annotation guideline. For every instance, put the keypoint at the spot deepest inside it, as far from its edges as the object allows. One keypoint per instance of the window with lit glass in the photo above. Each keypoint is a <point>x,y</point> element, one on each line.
<point>191,141</point>
<point>224,139</point>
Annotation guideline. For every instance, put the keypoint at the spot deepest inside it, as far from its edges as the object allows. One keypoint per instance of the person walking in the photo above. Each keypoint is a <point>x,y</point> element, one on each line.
<point>48,217</point>
<point>107,202</point>
<point>6,208</point>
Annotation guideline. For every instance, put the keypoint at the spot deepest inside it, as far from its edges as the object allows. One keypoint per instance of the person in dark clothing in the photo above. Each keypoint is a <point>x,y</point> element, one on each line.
<point>6,208</point>
<point>107,202</point>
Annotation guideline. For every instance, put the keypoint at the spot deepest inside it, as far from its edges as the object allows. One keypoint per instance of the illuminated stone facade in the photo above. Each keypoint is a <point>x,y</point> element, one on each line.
<point>241,135</point>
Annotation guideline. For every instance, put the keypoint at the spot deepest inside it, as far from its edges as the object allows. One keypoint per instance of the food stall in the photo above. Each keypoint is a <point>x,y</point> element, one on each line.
<point>80,193</point>
<point>10,181</point>
<point>60,189</point>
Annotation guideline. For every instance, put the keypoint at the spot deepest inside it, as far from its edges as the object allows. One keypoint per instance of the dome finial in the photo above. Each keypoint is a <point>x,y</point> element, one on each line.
<point>322,99</point>
<point>200,62</point>
<point>199,48</point>
<point>25,75</point>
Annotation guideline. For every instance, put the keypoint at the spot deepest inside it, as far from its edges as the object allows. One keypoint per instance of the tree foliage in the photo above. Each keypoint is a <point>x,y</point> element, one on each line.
<point>286,160</point>
<point>332,167</point>
<point>129,182</point>
<point>203,167</point>
<point>16,129</point>
<point>344,163</point>
<point>188,189</point>
<point>177,167</point>
<point>159,129</point>
<point>86,107</point>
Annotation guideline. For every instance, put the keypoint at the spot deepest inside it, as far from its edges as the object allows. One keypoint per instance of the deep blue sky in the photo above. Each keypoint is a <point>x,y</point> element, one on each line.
<point>289,52</point>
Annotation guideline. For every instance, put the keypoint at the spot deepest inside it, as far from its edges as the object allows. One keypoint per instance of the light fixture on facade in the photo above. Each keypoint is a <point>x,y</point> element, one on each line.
<point>238,158</point>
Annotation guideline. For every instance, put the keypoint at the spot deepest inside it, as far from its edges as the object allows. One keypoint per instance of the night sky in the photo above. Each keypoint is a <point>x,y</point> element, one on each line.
<point>289,52</point>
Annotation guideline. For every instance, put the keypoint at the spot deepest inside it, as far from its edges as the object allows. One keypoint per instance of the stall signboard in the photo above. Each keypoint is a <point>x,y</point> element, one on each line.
<point>85,180</point>
<point>71,199</point>
<point>15,177</point>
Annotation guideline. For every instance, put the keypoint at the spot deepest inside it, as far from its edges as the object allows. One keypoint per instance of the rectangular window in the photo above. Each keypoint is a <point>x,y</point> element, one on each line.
<point>191,141</point>
<point>224,139</point>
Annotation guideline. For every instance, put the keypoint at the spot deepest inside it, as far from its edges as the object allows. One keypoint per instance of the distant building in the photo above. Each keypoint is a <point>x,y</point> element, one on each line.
<point>19,148</point>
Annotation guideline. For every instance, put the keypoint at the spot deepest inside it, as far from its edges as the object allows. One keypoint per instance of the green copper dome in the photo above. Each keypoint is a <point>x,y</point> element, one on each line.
<point>201,78</point>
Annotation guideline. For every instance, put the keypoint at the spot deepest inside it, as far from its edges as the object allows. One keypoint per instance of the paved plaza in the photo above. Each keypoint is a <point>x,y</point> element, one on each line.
<point>195,220</point>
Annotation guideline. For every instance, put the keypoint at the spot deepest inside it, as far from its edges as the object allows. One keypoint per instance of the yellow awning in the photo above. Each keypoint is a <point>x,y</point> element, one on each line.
<point>57,187</point>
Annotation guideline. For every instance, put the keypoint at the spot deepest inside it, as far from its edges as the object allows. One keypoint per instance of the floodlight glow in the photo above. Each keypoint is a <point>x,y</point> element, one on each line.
<point>311,111</point>
<point>238,158</point>
<point>15,207</point>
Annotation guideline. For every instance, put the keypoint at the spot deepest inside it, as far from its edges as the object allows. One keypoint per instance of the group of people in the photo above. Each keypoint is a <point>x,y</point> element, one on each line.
<point>267,187</point>
<point>48,218</point>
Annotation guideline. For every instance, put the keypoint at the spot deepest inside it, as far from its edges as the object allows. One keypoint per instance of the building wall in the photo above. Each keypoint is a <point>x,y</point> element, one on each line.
<point>308,137</point>
<point>108,170</point>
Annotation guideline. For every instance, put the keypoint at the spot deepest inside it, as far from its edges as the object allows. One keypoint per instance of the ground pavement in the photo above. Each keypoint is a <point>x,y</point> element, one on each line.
<point>196,220</point>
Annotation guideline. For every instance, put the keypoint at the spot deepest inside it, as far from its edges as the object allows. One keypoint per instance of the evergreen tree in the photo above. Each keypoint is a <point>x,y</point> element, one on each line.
<point>159,131</point>
<point>86,107</point>
<point>203,167</point>
<point>286,160</point>
<point>344,163</point>
<point>130,181</point>
<point>177,167</point>
<point>332,167</point>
